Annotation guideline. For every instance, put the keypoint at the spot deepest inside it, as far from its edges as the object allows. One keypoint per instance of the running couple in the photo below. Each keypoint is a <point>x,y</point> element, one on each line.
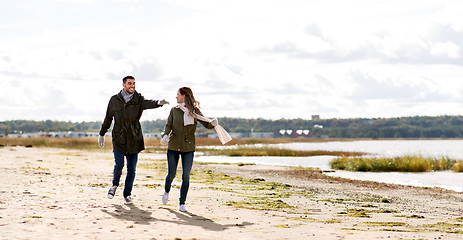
<point>126,108</point>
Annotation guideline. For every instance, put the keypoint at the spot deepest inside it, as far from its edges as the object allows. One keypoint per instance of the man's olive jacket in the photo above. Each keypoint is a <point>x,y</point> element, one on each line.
<point>127,136</point>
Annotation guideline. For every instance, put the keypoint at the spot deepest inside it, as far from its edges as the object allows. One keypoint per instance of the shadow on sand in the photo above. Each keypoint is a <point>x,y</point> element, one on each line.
<point>140,216</point>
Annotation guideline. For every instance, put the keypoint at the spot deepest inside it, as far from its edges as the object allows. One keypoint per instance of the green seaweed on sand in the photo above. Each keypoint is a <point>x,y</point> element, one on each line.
<point>386,224</point>
<point>269,205</point>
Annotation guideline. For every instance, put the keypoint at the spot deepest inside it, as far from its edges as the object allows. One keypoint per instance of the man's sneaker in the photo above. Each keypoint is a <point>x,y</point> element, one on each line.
<point>165,197</point>
<point>112,192</point>
<point>128,200</point>
<point>183,208</point>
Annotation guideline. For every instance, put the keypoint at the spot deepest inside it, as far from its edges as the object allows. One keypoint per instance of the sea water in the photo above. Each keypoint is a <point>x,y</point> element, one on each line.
<point>381,148</point>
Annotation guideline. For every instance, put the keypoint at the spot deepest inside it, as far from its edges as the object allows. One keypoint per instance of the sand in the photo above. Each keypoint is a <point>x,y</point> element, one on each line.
<point>48,193</point>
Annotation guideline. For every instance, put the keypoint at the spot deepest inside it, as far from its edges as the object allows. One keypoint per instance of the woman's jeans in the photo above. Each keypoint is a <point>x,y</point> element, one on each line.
<point>131,167</point>
<point>172,163</point>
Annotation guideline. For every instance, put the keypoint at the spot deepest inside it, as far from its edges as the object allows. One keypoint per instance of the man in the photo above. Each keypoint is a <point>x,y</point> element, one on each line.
<point>126,108</point>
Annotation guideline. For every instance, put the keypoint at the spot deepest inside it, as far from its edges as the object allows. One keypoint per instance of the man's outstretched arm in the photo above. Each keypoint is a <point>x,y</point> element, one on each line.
<point>147,104</point>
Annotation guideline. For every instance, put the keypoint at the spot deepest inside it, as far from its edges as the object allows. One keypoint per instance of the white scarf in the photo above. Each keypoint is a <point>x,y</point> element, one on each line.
<point>187,118</point>
<point>224,137</point>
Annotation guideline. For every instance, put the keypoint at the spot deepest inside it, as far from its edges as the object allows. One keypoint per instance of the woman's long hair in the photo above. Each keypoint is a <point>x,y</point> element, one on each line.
<point>190,101</point>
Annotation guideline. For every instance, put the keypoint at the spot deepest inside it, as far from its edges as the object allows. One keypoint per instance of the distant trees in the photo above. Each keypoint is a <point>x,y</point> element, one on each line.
<point>403,127</point>
<point>47,126</point>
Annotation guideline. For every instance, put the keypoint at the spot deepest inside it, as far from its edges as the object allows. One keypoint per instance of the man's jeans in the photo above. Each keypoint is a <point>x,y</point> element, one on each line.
<point>172,163</point>
<point>131,167</point>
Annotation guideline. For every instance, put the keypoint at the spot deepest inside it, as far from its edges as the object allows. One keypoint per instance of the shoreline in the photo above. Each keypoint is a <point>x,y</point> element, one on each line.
<point>62,193</point>
<point>419,179</point>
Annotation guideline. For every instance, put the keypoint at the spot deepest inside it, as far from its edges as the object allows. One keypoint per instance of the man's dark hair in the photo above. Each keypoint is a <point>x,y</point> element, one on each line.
<point>127,77</point>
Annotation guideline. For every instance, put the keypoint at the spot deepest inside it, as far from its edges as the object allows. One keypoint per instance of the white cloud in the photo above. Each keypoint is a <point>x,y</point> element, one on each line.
<point>451,14</point>
<point>447,49</point>
<point>270,59</point>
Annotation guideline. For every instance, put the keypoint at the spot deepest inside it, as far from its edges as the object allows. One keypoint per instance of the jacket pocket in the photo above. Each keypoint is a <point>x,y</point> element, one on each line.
<point>119,137</point>
<point>136,132</point>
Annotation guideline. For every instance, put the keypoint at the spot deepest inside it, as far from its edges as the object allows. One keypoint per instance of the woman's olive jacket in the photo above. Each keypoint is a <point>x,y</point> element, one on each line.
<point>127,135</point>
<point>182,138</point>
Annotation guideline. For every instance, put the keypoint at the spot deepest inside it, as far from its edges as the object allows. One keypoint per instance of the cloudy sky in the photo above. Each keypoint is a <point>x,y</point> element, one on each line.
<point>272,59</point>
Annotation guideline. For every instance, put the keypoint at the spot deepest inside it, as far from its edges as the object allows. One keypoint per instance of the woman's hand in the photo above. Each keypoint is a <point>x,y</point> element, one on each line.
<point>165,140</point>
<point>215,122</point>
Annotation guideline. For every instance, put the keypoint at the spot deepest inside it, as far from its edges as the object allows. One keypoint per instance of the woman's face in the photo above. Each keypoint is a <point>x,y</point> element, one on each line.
<point>180,97</point>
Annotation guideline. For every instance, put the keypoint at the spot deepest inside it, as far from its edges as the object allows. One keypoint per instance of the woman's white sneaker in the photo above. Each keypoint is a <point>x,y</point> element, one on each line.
<point>183,208</point>
<point>165,197</point>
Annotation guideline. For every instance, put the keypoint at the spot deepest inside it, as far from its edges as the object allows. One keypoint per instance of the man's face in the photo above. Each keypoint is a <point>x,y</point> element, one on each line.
<point>129,86</point>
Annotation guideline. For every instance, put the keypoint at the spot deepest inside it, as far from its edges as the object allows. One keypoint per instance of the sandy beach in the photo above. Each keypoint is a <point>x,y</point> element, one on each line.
<point>51,193</point>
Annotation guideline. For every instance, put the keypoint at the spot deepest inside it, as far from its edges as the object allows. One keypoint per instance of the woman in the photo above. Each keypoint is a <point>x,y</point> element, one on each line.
<point>180,129</point>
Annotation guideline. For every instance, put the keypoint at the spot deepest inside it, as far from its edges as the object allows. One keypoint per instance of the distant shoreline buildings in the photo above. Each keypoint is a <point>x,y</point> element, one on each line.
<point>282,133</point>
<point>300,133</point>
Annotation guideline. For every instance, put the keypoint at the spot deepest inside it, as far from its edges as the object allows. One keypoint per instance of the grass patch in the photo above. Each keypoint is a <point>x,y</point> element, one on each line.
<point>37,168</point>
<point>384,211</point>
<point>458,166</point>
<point>368,206</point>
<point>254,193</point>
<point>386,224</point>
<point>223,189</point>
<point>305,218</point>
<point>337,200</point>
<point>155,142</point>
<point>282,226</point>
<point>332,221</point>
<point>385,200</point>
<point>360,212</point>
<point>394,230</point>
<point>442,227</point>
<point>154,185</point>
<point>153,146</point>
<point>342,200</point>
<point>356,212</point>
<point>92,142</point>
<point>377,200</point>
<point>352,229</point>
<point>268,151</point>
<point>268,205</point>
<point>396,164</point>
<point>411,216</point>
<point>86,143</point>
<point>245,164</point>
